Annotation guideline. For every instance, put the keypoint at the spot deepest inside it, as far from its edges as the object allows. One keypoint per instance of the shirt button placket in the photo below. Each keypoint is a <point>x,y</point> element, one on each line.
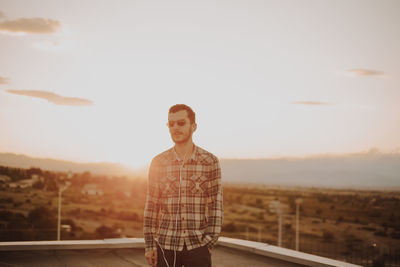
<point>183,202</point>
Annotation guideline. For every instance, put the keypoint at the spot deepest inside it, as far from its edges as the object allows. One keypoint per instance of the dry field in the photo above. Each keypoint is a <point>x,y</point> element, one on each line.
<point>333,222</point>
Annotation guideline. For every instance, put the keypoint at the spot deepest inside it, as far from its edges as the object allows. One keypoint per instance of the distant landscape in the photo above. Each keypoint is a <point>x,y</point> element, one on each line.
<point>105,168</point>
<point>357,171</point>
<point>359,226</point>
<point>370,170</point>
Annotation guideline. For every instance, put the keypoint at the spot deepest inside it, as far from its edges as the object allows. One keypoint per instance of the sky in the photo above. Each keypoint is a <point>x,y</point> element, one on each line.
<point>92,81</point>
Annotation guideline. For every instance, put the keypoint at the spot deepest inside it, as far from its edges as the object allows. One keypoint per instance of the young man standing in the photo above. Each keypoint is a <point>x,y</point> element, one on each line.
<point>183,213</point>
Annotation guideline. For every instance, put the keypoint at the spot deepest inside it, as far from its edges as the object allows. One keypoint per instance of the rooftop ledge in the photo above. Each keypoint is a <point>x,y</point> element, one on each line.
<point>257,248</point>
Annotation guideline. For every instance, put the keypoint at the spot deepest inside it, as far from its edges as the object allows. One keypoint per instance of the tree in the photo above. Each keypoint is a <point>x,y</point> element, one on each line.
<point>104,231</point>
<point>339,219</point>
<point>229,227</point>
<point>328,236</point>
<point>33,171</point>
<point>42,218</point>
<point>18,221</point>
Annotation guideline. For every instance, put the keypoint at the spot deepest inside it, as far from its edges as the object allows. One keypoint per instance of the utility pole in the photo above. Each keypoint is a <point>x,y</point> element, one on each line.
<point>275,207</point>
<point>279,227</point>
<point>61,188</point>
<point>298,202</point>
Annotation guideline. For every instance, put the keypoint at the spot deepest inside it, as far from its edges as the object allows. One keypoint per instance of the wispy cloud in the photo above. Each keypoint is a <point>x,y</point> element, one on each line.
<point>30,26</point>
<point>53,98</point>
<point>311,103</point>
<point>4,80</point>
<point>54,45</point>
<point>365,72</point>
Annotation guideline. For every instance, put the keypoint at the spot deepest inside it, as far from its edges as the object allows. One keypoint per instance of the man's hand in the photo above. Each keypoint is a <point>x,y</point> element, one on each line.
<point>151,257</point>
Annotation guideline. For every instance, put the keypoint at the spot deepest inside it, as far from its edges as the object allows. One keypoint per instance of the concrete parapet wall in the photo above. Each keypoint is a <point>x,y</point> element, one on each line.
<point>258,248</point>
<point>281,253</point>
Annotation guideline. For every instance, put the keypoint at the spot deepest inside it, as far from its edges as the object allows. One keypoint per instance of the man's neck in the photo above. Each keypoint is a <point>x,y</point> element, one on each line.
<point>184,150</point>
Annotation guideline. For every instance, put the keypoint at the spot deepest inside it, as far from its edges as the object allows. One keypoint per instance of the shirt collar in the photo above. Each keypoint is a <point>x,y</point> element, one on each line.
<point>193,158</point>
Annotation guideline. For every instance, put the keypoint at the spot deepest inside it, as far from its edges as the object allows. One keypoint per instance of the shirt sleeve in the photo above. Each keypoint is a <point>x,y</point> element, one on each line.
<point>214,205</point>
<point>152,207</point>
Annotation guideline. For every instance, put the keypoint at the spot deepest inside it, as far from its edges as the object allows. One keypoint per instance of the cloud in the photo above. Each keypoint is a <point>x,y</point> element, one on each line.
<point>311,103</point>
<point>53,98</point>
<point>30,26</point>
<point>54,45</point>
<point>365,72</point>
<point>3,80</point>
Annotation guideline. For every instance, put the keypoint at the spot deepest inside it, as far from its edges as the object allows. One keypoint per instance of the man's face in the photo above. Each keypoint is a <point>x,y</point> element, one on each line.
<point>179,127</point>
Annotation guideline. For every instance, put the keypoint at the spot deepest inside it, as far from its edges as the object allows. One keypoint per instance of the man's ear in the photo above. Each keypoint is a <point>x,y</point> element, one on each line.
<point>194,127</point>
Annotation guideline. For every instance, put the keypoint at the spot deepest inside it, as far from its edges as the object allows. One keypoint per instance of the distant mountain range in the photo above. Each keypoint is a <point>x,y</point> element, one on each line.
<point>362,170</point>
<point>23,161</point>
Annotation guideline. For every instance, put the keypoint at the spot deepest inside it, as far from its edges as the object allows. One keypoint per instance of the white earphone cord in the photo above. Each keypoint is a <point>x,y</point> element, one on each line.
<point>177,212</point>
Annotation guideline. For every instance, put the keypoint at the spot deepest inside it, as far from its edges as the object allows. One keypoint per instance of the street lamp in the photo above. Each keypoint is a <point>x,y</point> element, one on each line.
<point>275,207</point>
<point>61,188</point>
<point>298,202</point>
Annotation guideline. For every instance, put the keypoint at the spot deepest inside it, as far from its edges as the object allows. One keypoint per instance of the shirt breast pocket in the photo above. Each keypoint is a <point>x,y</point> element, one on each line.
<point>198,184</point>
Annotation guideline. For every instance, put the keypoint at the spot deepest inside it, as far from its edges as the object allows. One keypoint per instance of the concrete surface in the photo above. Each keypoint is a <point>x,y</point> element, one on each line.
<point>221,257</point>
<point>130,252</point>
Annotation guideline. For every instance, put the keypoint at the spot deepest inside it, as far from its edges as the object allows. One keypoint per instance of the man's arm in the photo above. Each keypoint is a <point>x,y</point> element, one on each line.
<point>152,207</point>
<point>214,203</point>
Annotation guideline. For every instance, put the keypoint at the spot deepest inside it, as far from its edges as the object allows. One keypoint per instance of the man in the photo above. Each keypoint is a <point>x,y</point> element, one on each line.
<point>183,213</point>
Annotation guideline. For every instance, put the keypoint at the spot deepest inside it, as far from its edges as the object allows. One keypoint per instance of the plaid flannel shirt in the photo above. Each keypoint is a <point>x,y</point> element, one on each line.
<point>198,218</point>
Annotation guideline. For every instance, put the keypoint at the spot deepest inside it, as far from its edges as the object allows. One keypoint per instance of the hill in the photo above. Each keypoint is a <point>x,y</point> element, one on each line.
<point>361,171</point>
<point>23,161</point>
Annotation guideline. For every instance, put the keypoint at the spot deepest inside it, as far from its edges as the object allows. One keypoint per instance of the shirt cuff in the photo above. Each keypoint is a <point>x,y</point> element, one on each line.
<point>150,247</point>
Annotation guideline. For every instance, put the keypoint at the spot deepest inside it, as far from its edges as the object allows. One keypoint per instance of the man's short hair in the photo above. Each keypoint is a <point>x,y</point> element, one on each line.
<point>179,107</point>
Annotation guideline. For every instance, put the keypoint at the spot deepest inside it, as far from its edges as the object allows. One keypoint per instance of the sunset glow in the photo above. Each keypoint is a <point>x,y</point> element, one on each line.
<point>92,81</point>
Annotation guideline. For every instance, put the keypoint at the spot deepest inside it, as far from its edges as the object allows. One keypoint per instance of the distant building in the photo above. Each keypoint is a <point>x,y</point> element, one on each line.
<point>276,206</point>
<point>66,227</point>
<point>4,178</point>
<point>91,190</point>
<point>36,178</point>
<point>12,185</point>
<point>21,184</point>
<point>26,183</point>
<point>4,181</point>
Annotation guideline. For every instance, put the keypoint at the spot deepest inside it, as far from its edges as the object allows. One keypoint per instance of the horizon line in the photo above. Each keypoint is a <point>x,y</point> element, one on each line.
<point>371,151</point>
